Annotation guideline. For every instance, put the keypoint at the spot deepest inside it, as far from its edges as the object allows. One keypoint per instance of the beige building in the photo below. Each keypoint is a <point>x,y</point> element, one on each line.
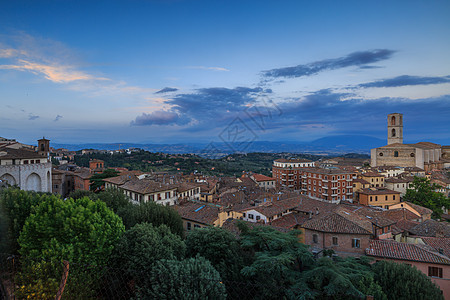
<point>424,155</point>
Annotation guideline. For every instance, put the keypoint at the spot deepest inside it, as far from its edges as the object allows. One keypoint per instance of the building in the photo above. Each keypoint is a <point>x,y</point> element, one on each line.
<point>399,184</point>
<point>421,212</point>
<point>270,210</point>
<point>424,155</point>
<point>28,169</point>
<point>375,179</point>
<point>286,171</point>
<point>331,185</point>
<point>144,190</point>
<point>264,182</point>
<point>380,197</point>
<point>431,263</point>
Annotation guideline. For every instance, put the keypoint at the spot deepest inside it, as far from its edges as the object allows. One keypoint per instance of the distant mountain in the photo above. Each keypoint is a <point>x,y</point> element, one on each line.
<point>348,142</point>
<point>339,144</point>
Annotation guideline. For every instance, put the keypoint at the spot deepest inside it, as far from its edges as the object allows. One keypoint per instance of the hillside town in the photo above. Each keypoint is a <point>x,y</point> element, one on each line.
<point>348,206</point>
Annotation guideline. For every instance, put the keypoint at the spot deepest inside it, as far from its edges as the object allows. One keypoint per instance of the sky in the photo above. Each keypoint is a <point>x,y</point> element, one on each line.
<point>203,71</point>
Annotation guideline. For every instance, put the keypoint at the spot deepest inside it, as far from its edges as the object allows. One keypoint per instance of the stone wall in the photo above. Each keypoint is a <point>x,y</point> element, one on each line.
<point>31,177</point>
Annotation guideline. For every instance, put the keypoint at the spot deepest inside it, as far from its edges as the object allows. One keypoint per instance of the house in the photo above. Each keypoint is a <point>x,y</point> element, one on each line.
<point>188,191</point>
<point>375,179</point>
<point>198,215</point>
<point>399,184</point>
<point>82,179</point>
<point>264,182</point>
<point>270,210</point>
<point>423,213</point>
<point>145,190</point>
<point>425,259</point>
<point>380,197</point>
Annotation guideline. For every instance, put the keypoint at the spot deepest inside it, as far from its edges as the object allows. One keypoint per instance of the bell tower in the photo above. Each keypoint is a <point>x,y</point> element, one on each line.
<point>44,147</point>
<point>395,128</point>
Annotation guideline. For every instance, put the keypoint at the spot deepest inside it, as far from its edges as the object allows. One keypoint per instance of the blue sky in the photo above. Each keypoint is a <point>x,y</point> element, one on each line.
<point>187,71</point>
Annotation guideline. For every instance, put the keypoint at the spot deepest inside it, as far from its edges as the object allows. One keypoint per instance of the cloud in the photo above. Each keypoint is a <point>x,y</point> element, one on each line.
<point>58,117</point>
<point>54,73</point>
<point>159,117</point>
<point>359,59</point>
<point>406,80</point>
<point>32,117</point>
<point>166,90</point>
<point>208,68</point>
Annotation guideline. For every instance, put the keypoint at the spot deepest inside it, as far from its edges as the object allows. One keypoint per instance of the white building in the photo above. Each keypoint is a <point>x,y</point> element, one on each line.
<point>28,169</point>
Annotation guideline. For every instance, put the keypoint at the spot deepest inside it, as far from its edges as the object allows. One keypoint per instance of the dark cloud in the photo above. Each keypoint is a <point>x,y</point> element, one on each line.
<point>406,80</point>
<point>360,59</point>
<point>166,90</point>
<point>32,117</point>
<point>58,117</point>
<point>215,104</point>
<point>159,117</point>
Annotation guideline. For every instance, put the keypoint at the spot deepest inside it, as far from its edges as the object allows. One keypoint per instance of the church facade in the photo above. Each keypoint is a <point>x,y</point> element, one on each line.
<point>28,169</point>
<point>424,155</point>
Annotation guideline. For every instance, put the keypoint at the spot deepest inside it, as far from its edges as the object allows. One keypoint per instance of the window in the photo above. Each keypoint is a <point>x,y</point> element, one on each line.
<point>243,215</point>
<point>196,226</point>
<point>257,218</point>
<point>386,198</point>
<point>188,226</point>
<point>250,216</point>
<point>395,153</point>
<point>412,154</point>
<point>315,238</point>
<point>393,197</point>
<point>435,272</point>
<point>381,154</point>
<point>393,132</point>
<point>376,198</point>
<point>38,161</point>
<point>355,243</point>
<point>335,240</point>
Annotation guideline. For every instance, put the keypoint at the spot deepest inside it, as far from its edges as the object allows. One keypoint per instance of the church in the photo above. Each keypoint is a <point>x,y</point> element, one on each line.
<point>424,155</point>
<point>26,166</point>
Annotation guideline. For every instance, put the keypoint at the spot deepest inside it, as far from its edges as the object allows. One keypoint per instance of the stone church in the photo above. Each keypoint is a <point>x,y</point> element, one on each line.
<point>423,155</point>
<point>26,166</point>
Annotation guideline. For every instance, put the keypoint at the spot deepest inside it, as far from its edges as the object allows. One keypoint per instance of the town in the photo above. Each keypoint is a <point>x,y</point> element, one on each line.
<point>392,207</point>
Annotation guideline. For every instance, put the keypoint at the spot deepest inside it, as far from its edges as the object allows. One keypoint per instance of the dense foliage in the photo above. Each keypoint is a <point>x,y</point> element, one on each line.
<point>400,281</point>
<point>422,192</point>
<point>150,212</point>
<point>96,180</point>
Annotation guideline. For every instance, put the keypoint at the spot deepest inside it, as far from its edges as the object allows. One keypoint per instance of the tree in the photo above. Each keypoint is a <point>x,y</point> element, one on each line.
<point>222,249</point>
<point>16,206</point>
<point>80,231</point>
<point>422,192</point>
<point>140,248</point>
<point>114,199</point>
<point>278,259</point>
<point>341,279</point>
<point>151,212</point>
<point>401,281</point>
<point>96,180</point>
<point>190,279</point>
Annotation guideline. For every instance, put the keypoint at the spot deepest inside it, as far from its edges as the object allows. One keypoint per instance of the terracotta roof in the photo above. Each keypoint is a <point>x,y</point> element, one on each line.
<point>260,177</point>
<point>294,160</point>
<point>146,186</point>
<point>372,174</point>
<point>432,228</point>
<point>183,187</point>
<point>397,180</point>
<point>83,173</point>
<point>399,214</point>
<point>405,225</point>
<point>10,153</point>
<point>121,179</point>
<point>335,223</point>
<point>439,244</point>
<point>420,209</point>
<point>378,191</point>
<point>289,221</point>
<point>197,212</point>
<point>361,181</point>
<point>273,208</point>
<point>402,251</point>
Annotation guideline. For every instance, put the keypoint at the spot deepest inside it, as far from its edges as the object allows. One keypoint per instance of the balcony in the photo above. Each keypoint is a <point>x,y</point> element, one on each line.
<point>350,186</point>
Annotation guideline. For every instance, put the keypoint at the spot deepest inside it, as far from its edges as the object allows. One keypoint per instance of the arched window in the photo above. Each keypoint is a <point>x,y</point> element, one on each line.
<point>395,153</point>
<point>393,120</point>
<point>393,132</point>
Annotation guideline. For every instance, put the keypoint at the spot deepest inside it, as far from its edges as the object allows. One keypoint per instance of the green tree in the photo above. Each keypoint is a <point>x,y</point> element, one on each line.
<point>139,249</point>
<point>16,206</point>
<point>278,259</point>
<point>80,231</point>
<point>96,180</point>
<point>222,249</point>
<point>401,281</point>
<point>344,279</point>
<point>422,192</point>
<point>114,199</point>
<point>151,212</point>
<point>190,279</point>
